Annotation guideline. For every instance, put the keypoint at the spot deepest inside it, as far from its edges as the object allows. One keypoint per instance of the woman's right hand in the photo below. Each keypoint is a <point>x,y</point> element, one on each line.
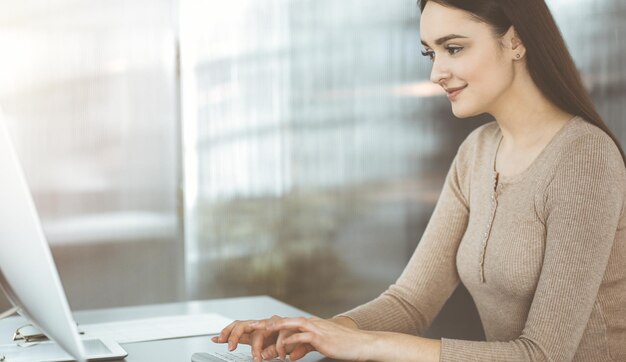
<point>264,343</point>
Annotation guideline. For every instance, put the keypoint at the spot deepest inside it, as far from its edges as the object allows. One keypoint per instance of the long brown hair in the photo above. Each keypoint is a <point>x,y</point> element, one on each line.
<point>549,62</point>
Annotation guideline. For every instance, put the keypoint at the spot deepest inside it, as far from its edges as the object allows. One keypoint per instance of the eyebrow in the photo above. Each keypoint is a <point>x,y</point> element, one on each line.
<point>445,39</point>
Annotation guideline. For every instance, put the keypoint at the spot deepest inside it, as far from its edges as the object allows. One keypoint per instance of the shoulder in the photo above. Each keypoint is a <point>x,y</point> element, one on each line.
<point>589,148</point>
<point>588,163</point>
<point>589,171</point>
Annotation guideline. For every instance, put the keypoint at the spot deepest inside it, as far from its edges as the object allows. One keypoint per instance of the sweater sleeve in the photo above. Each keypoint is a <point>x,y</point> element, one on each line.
<point>412,302</point>
<point>583,204</point>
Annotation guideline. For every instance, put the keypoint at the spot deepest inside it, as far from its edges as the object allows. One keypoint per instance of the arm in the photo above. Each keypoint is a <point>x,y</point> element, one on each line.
<point>399,347</point>
<point>409,305</point>
<point>583,203</point>
<point>345,321</point>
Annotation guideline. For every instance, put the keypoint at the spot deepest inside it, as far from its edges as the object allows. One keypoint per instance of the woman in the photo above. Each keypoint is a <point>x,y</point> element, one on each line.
<point>531,218</point>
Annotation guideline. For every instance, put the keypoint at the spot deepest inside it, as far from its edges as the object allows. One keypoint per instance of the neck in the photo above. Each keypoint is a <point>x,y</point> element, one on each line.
<point>526,117</point>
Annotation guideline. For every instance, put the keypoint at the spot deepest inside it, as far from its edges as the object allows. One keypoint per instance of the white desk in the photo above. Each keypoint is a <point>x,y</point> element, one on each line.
<point>181,349</point>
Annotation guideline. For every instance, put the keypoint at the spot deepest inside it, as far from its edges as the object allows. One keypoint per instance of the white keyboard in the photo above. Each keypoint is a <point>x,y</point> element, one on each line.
<point>223,357</point>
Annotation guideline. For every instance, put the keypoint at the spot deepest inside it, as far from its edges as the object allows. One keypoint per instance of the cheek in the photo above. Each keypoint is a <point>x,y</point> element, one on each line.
<point>487,78</point>
<point>486,74</point>
<point>498,72</point>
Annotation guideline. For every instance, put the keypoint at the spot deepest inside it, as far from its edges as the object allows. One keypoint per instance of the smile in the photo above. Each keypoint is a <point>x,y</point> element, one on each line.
<point>454,93</point>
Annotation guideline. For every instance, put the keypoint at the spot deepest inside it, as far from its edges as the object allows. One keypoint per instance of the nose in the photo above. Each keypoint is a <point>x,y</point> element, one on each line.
<point>440,72</point>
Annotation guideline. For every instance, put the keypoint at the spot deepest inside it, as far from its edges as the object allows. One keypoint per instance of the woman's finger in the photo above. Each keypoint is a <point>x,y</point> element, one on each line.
<point>300,351</point>
<point>269,352</point>
<point>257,345</point>
<point>245,339</point>
<point>223,337</point>
<point>280,347</point>
<point>237,333</point>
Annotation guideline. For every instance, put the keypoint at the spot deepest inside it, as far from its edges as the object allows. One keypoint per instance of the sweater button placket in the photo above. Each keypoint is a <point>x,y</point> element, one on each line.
<point>494,205</point>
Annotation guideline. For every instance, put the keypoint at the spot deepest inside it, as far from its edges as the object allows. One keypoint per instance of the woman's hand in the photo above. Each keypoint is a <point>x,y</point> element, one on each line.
<point>327,337</point>
<point>263,342</point>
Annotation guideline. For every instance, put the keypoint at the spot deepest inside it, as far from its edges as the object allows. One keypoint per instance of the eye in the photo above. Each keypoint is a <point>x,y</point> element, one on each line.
<point>453,49</point>
<point>429,53</point>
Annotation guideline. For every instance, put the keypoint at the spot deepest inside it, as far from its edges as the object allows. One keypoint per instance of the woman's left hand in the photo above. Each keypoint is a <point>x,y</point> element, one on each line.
<point>328,338</point>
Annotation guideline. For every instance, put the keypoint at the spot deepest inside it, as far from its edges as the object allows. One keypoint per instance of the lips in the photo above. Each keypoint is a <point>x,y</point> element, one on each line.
<point>453,92</point>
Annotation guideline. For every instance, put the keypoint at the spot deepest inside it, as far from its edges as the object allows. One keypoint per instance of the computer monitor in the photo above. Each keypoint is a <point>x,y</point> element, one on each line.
<point>28,275</point>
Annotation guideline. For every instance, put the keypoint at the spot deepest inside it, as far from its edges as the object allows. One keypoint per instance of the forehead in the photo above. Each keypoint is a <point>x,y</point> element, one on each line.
<point>438,21</point>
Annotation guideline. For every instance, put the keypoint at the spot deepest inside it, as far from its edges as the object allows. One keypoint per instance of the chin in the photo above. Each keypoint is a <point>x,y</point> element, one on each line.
<point>460,112</point>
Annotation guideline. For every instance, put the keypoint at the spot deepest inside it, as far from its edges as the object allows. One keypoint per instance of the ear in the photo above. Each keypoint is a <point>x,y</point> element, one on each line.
<point>514,44</point>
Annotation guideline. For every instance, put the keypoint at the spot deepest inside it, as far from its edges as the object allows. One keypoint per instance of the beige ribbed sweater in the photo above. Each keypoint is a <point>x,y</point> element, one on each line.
<point>543,254</point>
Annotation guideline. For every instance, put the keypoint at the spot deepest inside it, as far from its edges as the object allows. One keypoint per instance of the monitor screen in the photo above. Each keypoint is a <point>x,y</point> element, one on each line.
<point>28,275</point>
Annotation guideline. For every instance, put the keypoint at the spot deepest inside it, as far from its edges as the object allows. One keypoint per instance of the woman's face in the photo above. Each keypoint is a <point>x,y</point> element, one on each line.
<point>466,55</point>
